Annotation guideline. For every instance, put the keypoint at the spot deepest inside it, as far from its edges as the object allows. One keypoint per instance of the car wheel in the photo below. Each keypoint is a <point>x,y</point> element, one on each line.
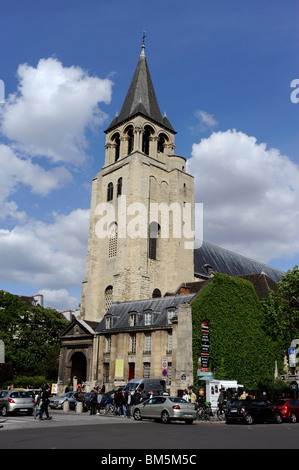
<point>165,417</point>
<point>248,418</point>
<point>293,418</point>
<point>278,418</point>
<point>3,411</point>
<point>137,415</point>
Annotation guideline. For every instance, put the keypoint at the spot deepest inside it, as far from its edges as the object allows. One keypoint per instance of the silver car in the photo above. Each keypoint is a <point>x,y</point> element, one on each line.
<point>58,402</point>
<point>166,409</point>
<point>16,400</point>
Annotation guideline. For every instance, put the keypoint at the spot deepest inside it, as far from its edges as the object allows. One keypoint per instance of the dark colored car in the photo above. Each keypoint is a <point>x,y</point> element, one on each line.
<point>252,411</point>
<point>73,401</point>
<point>288,407</point>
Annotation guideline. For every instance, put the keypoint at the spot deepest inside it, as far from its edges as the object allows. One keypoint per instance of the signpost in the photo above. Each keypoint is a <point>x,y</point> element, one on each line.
<point>205,347</point>
<point>292,357</point>
<point>164,367</point>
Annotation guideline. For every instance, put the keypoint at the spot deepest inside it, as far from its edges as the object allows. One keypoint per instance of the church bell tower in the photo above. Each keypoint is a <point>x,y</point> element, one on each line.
<point>142,216</point>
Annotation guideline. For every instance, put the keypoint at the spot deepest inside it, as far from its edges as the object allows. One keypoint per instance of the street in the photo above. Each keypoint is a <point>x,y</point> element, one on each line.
<point>73,431</point>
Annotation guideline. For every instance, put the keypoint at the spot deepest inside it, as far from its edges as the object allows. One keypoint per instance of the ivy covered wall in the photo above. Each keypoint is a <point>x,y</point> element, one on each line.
<point>239,348</point>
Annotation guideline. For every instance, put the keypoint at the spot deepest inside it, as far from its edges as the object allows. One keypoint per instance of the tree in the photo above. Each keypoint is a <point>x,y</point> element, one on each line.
<point>30,335</point>
<point>281,312</point>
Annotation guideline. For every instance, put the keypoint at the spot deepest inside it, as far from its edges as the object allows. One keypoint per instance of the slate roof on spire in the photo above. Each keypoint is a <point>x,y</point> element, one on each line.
<point>141,98</point>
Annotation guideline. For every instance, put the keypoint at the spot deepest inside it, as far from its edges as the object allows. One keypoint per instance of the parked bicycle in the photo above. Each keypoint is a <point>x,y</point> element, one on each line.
<point>110,408</point>
<point>206,413</point>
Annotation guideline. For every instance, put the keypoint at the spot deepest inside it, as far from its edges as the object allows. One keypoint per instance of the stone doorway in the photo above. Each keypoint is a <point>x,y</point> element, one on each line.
<point>78,368</point>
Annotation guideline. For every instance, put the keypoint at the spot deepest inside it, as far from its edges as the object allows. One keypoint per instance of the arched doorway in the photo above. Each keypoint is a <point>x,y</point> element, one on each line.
<point>79,366</point>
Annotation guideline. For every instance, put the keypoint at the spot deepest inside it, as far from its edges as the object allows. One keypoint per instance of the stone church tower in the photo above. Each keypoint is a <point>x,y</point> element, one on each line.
<point>142,216</point>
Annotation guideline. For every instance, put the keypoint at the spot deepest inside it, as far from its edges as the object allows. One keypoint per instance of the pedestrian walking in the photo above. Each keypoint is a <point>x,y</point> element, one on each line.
<point>118,400</point>
<point>124,403</point>
<point>129,405</point>
<point>45,403</point>
<point>37,404</point>
<point>93,402</point>
<point>99,399</point>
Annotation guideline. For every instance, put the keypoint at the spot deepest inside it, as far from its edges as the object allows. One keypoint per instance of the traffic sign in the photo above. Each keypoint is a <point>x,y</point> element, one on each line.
<point>164,364</point>
<point>164,373</point>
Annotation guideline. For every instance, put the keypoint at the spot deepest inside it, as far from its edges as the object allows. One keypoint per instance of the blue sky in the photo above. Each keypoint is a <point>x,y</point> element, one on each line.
<point>222,71</point>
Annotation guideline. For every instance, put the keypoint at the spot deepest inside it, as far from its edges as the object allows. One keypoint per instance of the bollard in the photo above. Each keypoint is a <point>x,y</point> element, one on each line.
<point>79,407</point>
<point>66,406</point>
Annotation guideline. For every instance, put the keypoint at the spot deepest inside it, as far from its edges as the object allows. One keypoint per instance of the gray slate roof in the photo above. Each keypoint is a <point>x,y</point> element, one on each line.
<point>228,262</point>
<point>158,306</point>
<point>141,98</point>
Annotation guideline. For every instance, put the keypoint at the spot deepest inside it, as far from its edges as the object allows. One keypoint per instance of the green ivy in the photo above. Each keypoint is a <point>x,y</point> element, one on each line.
<point>239,347</point>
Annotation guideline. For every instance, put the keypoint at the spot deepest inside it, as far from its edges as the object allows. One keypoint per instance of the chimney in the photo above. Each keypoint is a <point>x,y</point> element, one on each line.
<point>184,289</point>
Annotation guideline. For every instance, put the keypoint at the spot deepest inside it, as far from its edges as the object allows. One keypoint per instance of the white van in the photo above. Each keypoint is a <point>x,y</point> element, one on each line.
<point>157,386</point>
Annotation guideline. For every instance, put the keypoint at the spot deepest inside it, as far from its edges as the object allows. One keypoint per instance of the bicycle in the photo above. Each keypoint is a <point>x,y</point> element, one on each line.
<point>200,412</point>
<point>109,409</point>
<point>221,413</point>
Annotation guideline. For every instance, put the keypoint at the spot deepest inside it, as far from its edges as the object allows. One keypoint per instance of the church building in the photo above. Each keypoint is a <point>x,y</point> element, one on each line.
<point>143,268</point>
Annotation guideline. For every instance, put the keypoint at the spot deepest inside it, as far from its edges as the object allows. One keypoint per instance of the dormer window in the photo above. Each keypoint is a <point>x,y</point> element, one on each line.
<point>148,318</point>
<point>133,319</point>
<point>170,314</point>
<point>108,323</point>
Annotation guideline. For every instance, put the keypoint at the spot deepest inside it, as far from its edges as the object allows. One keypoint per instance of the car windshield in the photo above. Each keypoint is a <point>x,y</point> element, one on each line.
<point>130,387</point>
<point>177,400</point>
<point>278,403</point>
<point>20,394</point>
<point>240,403</point>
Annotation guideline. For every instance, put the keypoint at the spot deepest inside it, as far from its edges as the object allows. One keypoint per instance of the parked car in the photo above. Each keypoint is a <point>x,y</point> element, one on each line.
<point>166,409</point>
<point>57,402</point>
<point>288,407</point>
<point>252,411</point>
<point>157,386</point>
<point>16,400</point>
<point>73,401</point>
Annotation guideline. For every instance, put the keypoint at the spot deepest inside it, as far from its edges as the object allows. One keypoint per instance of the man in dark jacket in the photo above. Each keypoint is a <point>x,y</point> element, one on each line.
<point>93,402</point>
<point>45,403</point>
<point>118,400</point>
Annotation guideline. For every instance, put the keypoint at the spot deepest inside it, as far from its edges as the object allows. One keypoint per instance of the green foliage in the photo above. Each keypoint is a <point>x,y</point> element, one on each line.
<point>281,311</point>
<point>239,347</point>
<point>30,335</point>
<point>23,381</point>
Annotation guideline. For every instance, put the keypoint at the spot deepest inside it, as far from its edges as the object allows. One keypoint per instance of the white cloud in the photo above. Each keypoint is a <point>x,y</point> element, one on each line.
<point>250,195</point>
<point>54,105</point>
<point>48,256</point>
<point>15,171</point>
<point>206,121</point>
<point>59,299</point>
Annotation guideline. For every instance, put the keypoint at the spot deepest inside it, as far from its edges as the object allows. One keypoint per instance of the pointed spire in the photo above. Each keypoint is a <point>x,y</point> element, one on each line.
<point>141,96</point>
<point>143,45</point>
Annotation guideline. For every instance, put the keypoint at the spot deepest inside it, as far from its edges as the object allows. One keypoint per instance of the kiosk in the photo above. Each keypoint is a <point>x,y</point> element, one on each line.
<point>213,388</point>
